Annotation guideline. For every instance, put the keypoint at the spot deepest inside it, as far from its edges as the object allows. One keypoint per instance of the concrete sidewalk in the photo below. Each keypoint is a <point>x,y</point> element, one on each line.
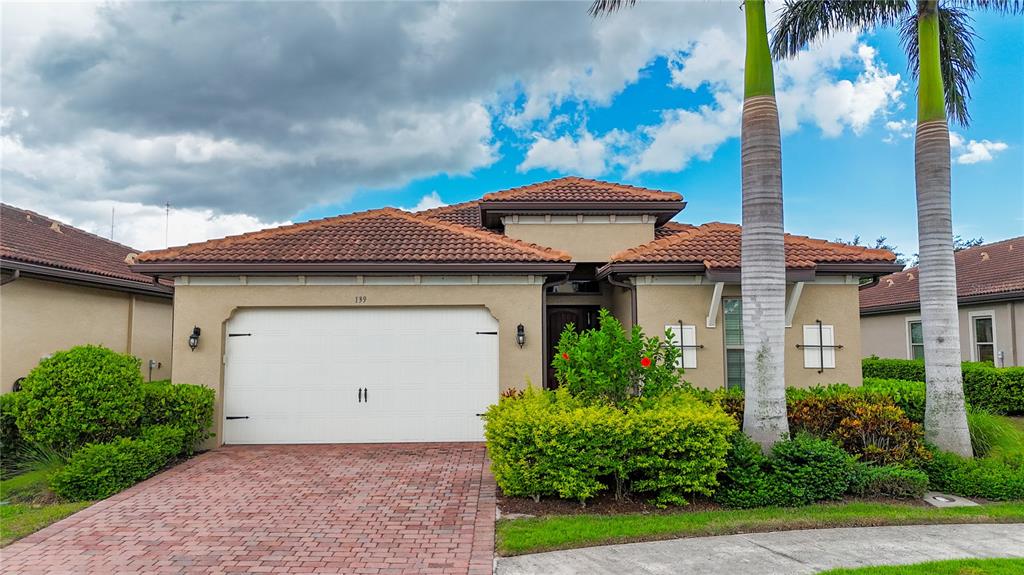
<point>788,552</point>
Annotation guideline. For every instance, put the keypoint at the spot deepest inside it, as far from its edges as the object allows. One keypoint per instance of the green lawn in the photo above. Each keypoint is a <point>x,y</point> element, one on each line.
<point>532,535</point>
<point>20,519</point>
<point>954,567</point>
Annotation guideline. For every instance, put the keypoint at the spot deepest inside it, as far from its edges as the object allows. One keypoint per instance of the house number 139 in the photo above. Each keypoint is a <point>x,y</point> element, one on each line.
<point>360,299</point>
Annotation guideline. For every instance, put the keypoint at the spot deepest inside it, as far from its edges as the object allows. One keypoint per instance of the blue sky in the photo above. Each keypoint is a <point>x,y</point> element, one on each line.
<point>245,115</point>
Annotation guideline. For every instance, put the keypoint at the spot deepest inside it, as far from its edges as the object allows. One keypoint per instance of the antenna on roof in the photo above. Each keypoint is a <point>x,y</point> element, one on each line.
<point>167,222</point>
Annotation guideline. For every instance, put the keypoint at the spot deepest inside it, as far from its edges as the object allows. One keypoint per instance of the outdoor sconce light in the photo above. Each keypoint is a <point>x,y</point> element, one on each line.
<point>193,339</point>
<point>521,335</point>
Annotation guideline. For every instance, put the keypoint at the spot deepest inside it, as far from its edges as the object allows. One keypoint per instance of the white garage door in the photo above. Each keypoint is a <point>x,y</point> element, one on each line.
<point>332,375</point>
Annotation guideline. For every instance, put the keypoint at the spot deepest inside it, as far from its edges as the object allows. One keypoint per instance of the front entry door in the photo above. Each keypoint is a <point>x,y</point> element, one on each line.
<point>582,318</point>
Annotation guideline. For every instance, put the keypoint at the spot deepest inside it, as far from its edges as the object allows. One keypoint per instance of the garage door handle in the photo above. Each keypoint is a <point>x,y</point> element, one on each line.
<point>237,417</point>
<point>360,395</point>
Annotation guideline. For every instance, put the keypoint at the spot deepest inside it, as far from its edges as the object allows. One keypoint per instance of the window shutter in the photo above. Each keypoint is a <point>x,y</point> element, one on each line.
<point>813,354</point>
<point>688,337</point>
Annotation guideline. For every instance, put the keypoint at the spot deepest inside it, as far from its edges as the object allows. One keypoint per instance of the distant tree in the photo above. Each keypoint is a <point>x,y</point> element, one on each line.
<point>882,243</point>
<point>962,244</point>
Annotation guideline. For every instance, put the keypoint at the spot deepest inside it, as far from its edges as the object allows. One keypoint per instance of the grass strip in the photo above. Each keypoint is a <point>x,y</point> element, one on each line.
<point>953,567</point>
<point>533,535</point>
<point>20,519</point>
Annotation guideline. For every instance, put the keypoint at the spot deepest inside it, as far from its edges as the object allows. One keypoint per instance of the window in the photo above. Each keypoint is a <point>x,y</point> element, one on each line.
<point>818,350</point>
<point>984,338</point>
<point>732,309</point>
<point>688,340</point>
<point>916,339</point>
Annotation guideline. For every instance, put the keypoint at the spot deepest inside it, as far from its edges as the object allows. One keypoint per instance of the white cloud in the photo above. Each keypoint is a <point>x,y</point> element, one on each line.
<point>683,135</point>
<point>585,155</point>
<point>974,151</point>
<point>902,129</point>
<point>427,202</point>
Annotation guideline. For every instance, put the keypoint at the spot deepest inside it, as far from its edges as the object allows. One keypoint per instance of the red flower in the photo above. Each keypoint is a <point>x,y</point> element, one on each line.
<point>646,362</point>
<point>565,356</point>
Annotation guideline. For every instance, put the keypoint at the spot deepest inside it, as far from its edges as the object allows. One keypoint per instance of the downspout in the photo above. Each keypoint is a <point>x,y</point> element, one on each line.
<point>632,297</point>
<point>15,274</point>
<point>544,324</point>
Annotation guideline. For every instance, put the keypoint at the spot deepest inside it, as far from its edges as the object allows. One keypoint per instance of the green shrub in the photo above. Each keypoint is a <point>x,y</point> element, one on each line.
<point>188,407</point>
<point>888,481</point>
<point>798,472</point>
<point>990,478</point>
<point>907,395</point>
<point>999,390</point>
<point>85,394</point>
<point>606,364</point>
<point>550,443</point>
<point>10,438</point>
<point>100,470</point>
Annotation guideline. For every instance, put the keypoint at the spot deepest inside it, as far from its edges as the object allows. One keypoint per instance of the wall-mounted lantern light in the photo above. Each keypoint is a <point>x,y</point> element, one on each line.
<point>193,339</point>
<point>521,335</point>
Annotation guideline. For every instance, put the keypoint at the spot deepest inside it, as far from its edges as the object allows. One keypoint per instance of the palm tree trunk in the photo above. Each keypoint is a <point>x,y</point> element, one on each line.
<point>945,412</point>
<point>763,266</point>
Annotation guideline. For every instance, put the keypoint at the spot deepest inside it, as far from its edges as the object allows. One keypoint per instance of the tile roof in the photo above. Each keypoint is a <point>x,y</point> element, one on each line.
<point>717,246</point>
<point>986,270</point>
<point>670,229</point>
<point>576,189</point>
<point>31,238</point>
<point>386,235</point>
<point>466,213</point>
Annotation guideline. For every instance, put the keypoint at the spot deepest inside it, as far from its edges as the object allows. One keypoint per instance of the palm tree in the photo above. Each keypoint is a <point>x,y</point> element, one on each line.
<point>763,264</point>
<point>938,39</point>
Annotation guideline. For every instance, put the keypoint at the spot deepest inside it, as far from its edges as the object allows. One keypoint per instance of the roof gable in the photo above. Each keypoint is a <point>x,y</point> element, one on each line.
<point>989,270</point>
<point>32,238</point>
<point>387,235</point>
<point>576,189</point>
<point>716,245</point>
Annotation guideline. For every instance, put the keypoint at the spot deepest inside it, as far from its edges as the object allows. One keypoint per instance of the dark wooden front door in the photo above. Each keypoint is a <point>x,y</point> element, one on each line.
<point>582,318</point>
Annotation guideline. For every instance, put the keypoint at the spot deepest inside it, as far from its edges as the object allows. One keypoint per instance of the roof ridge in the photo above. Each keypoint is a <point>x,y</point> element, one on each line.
<point>448,208</point>
<point>650,192</point>
<point>662,242</point>
<point>487,235</point>
<point>67,225</point>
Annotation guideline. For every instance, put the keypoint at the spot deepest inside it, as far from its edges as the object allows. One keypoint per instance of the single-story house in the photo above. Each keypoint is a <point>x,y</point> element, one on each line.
<point>990,299</point>
<point>61,287</point>
<point>392,326</point>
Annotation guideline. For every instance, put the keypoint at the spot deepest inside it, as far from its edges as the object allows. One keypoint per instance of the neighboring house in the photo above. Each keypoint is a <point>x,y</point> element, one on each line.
<point>63,287</point>
<point>392,326</point>
<point>990,296</point>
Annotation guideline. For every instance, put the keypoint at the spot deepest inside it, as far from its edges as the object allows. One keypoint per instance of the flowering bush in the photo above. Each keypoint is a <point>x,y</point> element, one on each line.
<point>607,365</point>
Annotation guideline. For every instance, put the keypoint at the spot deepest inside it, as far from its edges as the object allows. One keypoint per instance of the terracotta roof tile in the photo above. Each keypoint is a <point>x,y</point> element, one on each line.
<point>384,235</point>
<point>717,246</point>
<point>989,269</point>
<point>466,213</point>
<point>576,189</point>
<point>32,238</point>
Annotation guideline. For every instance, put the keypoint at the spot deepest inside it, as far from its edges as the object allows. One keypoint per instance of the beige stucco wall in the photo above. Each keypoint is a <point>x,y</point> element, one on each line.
<point>837,305</point>
<point>886,335</point>
<point>585,242</point>
<point>210,307</point>
<point>38,318</point>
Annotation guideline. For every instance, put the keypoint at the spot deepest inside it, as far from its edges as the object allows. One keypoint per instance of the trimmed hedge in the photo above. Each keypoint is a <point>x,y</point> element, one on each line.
<point>798,472</point>
<point>991,478</point>
<point>100,470</point>
<point>87,394</point>
<point>545,443</point>
<point>907,395</point>
<point>185,406</point>
<point>999,390</point>
<point>888,481</point>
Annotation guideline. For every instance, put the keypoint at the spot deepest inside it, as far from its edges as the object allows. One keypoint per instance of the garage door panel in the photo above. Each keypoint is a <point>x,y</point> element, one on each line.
<point>426,373</point>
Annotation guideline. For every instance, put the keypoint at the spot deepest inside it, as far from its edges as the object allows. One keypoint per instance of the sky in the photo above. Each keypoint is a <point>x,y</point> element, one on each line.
<point>243,116</point>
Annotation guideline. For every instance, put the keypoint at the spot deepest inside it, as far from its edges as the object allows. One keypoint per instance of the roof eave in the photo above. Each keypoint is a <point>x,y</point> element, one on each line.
<point>360,268</point>
<point>733,274</point>
<point>663,210</point>
<point>88,279</point>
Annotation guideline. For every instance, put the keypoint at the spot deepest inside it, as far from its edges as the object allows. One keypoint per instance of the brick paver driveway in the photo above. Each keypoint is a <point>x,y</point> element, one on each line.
<point>424,508</point>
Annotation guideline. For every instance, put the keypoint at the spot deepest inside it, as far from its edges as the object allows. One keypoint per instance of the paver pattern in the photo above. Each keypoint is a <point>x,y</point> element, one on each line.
<point>360,509</point>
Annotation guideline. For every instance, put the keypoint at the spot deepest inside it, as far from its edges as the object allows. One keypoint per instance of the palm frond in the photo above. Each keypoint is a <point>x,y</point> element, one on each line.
<point>600,7</point>
<point>956,51</point>
<point>1001,6</point>
<point>802,22</point>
